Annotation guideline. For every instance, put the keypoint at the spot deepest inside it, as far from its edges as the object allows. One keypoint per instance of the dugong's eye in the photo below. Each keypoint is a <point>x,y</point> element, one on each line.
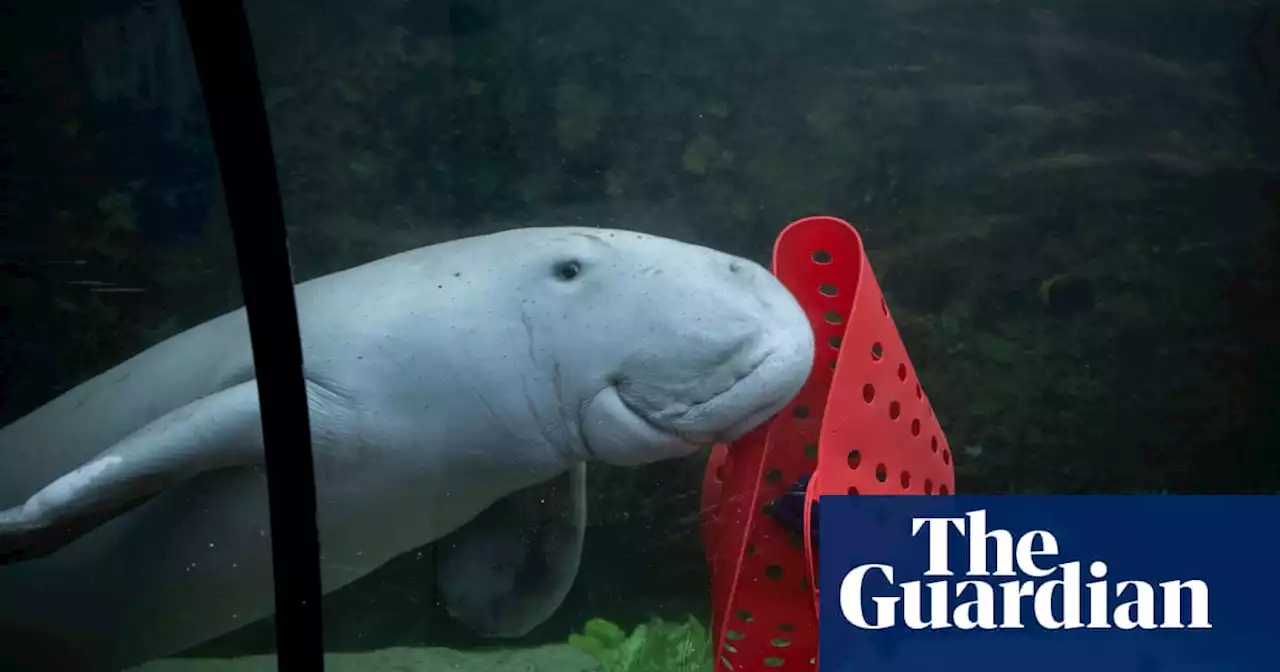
<point>567,270</point>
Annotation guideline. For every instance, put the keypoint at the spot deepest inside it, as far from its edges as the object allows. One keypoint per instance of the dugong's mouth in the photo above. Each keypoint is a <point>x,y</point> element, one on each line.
<point>668,404</point>
<point>767,383</point>
<point>723,416</point>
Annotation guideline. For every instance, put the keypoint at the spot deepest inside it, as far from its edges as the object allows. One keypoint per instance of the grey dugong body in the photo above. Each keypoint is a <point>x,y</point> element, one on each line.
<point>509,568</point>
<point>440,381</point>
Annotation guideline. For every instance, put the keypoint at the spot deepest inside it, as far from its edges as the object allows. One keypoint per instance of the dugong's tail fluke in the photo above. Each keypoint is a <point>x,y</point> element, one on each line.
<point>214,432</point>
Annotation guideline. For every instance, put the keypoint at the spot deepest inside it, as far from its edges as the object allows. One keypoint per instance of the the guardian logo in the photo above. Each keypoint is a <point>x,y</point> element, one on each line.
<point>984,603</point>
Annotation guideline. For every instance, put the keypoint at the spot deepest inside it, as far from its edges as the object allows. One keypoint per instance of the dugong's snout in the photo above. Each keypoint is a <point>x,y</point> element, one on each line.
<point>781,351</point>
<point>736,351</point>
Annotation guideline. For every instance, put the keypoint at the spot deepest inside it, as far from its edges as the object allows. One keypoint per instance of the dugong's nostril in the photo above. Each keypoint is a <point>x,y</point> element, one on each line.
<point>736,267</point>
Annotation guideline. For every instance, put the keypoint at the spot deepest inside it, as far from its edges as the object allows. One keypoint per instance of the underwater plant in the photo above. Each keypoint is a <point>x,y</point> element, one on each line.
<point>656,646</point>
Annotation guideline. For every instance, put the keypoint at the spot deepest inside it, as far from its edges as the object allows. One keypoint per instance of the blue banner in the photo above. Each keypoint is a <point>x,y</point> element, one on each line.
<point>1049,583</point>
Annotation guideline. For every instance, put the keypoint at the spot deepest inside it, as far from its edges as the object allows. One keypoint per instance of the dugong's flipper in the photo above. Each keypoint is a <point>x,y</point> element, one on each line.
<point>214,432</point>
<point>509,568</point>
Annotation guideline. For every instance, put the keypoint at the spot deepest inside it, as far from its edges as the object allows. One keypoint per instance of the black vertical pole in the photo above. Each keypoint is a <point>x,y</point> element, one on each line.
<point>223,50</point>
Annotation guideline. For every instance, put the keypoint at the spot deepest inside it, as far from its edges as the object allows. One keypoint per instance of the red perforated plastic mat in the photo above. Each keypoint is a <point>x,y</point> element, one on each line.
<point>861,424</point>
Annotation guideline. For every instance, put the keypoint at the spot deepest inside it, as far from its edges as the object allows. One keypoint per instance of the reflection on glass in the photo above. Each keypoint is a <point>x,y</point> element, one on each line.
<point>1071,212</point>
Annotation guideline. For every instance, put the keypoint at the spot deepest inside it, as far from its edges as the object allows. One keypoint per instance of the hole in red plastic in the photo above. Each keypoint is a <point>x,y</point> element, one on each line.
<point>915,428</point>
<point>942,490</point>
<point>895,409</point>
<point>853,489</point>
<point>751,548</point>
<point>780,642</point>
<point>884,307</point>
<point>905,480</point>
<point>933,444</point>
<point>810,451</point>
<point>828,290</point>
<point>928,487</point>
<point>834,342</point>
<point>833,317</point>
<point>881,473</point>
<point>773,476</point>
<point>786,627</point>
<point>868,392</point>
<point>854,459</point>
<point>734,634</point>
<point>832,364</point>
<point>743,615</point>
<point>773,661</point>
<point>800,412</point>
<point>919,392</point>
<point>902,372</point>
<point>773,572</point>
<point>877,351</point>
<point>720,473</point>
<point>821,257</point>
<point>946,457</point>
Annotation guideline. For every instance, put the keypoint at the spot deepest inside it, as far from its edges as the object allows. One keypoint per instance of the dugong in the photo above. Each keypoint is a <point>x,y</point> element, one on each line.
<point>448,386</point>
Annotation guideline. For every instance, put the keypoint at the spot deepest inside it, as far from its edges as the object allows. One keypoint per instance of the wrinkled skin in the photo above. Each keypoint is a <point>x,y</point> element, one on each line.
<point>440,380</point>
